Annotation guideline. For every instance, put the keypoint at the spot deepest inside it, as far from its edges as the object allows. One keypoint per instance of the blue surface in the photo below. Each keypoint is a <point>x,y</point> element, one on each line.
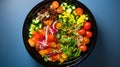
<point>14,54</point>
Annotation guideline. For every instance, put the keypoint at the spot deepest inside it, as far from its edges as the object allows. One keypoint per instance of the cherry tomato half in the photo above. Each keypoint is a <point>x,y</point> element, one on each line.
<point>38,36</point>
<point>55,57</point>
<point>79,11</point>
<point>81,32</point>
<point>83,48</point>
<point>88,34</point>
<point>86,40</point>
<point>87,25</point>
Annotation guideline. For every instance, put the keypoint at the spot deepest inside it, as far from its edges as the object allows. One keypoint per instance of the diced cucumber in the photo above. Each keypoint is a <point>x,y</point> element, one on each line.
<point>59,16</point>
<point>36,28</point>
<point>35,21</point>
<point>73,7</point>
<point>69,6</point>
<point>40,25</point>
<point>30,35</point>
<point>30,29</point>
<point>31,32</point>
<point>63,7</point>
<point>69,10</point>
<point>86,18</point>
<point>64,4</point>
<point>32,26</point>
<point>64,20</point>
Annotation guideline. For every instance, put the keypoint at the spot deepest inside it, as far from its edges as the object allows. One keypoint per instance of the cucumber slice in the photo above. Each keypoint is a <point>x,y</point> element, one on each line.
<point>35,21</point>
<point>31,32</point>
<point>32,26</point>
<point>73,7</point>
<point>30,35</point>
<point>64,4</point>
<point>36,28</point>
<point>69,10</point>
<point>40,25</point>
<point>63,7</point>
<point>59,16</point>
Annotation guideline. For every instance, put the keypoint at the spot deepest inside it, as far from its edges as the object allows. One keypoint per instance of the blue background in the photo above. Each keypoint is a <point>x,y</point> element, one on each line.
<point>105,54</point>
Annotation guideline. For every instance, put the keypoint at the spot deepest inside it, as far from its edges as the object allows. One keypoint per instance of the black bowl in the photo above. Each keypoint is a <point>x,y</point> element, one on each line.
<point>35,54</point>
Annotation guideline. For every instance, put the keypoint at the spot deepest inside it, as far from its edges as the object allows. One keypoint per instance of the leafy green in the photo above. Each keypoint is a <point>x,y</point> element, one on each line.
<point>77,53</point>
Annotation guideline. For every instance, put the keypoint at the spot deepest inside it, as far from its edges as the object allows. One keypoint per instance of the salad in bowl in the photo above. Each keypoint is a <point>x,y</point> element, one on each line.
<point>59,32</point>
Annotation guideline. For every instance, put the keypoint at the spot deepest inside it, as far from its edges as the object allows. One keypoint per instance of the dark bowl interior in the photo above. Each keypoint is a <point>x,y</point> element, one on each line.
<point>35,54</point>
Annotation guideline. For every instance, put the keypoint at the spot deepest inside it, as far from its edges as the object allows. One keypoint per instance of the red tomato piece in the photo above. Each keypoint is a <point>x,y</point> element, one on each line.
<point>51,37</point>
<point>55,57</point>
<point>83,48</point>
<point>79,11</point>
<point>87,25</point>
<point>86,40</point>
<point>88,34</point>
<point>48,50</point>
<point>59,10</point>
<point>36,35</point>
<point>55,40</point>
<point>42,31</point>
<point>81,32</point>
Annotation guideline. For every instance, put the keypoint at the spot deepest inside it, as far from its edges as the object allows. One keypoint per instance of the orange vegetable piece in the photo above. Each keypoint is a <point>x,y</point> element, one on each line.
<point>37,47</point>
<point>61,60</point>
<point>59,10</point>
<point>48,50</point>
<point>86,40</point>
<point>64,56</point>
<point>35,40</point>
<point>79,11</point>
<point>58,26</point>
<point>48,22</point>
<point>31,42</point>
<point>55,4</point>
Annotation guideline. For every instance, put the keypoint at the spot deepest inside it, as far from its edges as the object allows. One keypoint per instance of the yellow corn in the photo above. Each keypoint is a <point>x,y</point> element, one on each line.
<point>61,60</point>
<point>64,56</point>
<point>42,52</point>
